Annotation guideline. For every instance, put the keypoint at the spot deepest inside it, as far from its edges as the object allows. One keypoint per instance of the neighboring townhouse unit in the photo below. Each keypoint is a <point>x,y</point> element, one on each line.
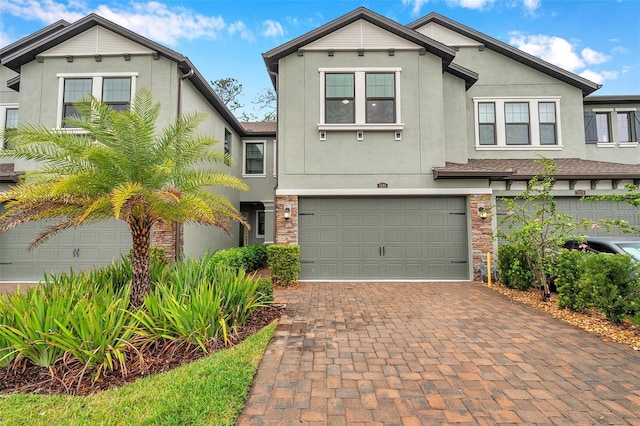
<point>46,72</point>
<point>404,137</point>
<point>394,143</point>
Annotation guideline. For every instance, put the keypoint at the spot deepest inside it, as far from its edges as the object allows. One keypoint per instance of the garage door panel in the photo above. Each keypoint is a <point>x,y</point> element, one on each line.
<point>388,238</point>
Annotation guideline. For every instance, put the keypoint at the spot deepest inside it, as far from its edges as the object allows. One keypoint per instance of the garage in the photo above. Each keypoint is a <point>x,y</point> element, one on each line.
<point>593,211</point>
<point>392,238</point>
<point>78,249</point>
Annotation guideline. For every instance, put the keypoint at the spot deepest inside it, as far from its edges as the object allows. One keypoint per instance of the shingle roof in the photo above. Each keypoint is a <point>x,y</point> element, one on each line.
<point>525,169</point>
<point>260,127</point>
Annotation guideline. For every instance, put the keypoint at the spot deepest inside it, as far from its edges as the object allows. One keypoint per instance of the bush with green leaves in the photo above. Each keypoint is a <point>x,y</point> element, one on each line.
<point>250,258</point>
<point>284,263</point>
<point>265,287</point>
<point>513,269</point>
<point>614,284</point>
<point>568,268</point>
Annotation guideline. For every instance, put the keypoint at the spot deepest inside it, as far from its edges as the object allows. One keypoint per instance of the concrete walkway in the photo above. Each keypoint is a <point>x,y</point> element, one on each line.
<point>435,353</point>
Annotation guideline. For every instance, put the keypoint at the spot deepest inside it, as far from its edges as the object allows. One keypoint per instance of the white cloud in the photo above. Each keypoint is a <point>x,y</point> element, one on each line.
<point>471,4</point>
<point>47,11</point>
<point>272,29</point>
<point>239,27</point>
<point>555,50</point>
<point>531,5</point>
<point>417,5</point>
<point>5,39</point>
<point>593,57</point>
<point>167,24</point>
<point>599,77</point>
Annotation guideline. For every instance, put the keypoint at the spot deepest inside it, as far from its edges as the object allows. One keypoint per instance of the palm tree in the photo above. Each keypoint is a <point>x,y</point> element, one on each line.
<point>118,166</point>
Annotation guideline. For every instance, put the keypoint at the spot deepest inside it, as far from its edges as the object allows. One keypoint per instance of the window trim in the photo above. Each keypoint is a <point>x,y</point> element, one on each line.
<point>244,158</point>
<point>534,123</point>
<point>96,90</point>
<point>360,98</point>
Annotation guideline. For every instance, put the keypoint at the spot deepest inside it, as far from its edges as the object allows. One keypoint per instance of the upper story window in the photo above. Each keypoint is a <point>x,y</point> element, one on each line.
<point>8,120</point>
<point>114,89</point>
<point>254,163</point>
<point>360,98</point>
<point>608,126</point>
<point>517,123</point>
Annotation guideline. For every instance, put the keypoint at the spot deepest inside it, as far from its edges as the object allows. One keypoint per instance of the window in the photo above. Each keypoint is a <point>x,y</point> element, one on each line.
<point>360,98</point>
<point>114,89</point>
<point>75,89</point>
<point>487,123</point>
<point>254,159</point>
<point>381,98</point>
<point>602,126</point>
<point>227,142</point>
<point>340,105</point>
<point>547,118</point>
<point>608,126</point>
<point>8,120</point>
<point>116,92</point>
<point>517,123</point>
<point>260,224</point>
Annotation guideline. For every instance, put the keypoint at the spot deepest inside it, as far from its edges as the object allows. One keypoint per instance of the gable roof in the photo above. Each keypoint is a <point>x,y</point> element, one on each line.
<point>33,37</point>
<point>447,54</point>
<point>583,84</point>
<point>28,48</point>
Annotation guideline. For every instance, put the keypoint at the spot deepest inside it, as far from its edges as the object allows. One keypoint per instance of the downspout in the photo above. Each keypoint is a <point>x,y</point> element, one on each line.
<point>178,227</point>
<point>277,162</point>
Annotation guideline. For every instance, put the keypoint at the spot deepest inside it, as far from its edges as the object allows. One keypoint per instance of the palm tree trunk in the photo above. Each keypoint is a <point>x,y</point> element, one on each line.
<point>141,275</point>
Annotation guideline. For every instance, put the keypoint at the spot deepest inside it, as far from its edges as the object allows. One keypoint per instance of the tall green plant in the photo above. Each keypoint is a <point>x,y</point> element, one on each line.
<point>534,226</point>
<point>119,166</point>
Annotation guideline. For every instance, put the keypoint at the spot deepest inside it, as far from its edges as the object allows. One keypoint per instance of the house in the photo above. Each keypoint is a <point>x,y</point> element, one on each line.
<point>394,143</point>
<point>49,70</point>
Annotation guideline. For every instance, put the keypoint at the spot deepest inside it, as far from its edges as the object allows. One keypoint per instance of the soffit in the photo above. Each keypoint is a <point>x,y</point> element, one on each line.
<point>96,41</point>
<point>446,36</point>
<point>361,35</point>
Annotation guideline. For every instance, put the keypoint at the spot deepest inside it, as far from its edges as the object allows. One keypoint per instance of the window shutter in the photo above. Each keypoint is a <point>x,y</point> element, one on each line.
<point>590,130</point>
<point>636,125</point>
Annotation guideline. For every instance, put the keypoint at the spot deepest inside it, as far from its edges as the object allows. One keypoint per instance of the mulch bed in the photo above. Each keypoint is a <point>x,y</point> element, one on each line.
<point>67,378</point>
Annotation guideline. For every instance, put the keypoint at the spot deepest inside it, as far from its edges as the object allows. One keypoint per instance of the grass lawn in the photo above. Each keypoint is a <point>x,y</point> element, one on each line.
<point>210,391</point>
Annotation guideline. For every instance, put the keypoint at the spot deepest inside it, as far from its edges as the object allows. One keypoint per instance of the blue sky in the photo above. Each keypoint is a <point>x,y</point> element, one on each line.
<point>597,39</point>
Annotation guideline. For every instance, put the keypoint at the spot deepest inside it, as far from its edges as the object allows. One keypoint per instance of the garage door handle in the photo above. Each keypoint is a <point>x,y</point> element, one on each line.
<point>459,261</point>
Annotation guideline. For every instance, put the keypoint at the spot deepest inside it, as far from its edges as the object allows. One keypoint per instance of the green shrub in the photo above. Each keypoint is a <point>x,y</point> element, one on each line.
<point>568,269</point>
<point>284,262</point>
<point>613,280</point>
<point>250,258</point>
<point>265,287</point>
<point>513,268</point>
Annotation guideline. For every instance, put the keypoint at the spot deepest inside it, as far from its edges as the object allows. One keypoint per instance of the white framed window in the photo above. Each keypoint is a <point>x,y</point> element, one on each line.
<point>115,89</point>
<point>360,99</point>
<point>254,159</point>
<point>515,123</point>
<point>8,120</point>
<point>260,220</point>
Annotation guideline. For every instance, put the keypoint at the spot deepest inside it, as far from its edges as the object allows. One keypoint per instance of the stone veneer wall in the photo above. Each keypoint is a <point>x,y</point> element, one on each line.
<point>481,232</point>
<point>164,235</point>
<point>286,229</point>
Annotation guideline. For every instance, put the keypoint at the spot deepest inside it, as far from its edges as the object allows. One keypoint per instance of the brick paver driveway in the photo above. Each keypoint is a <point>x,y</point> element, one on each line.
<point>430,353</point>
